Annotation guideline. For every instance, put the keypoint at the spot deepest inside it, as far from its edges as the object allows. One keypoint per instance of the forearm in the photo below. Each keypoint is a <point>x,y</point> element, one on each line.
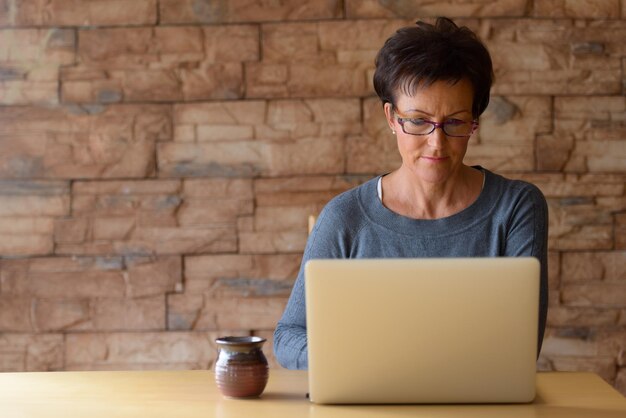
<point>290,337</point>
<point>290,346</point>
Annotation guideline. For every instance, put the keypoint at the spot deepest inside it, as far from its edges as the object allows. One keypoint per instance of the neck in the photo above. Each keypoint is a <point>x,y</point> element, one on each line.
<point>410,196</point>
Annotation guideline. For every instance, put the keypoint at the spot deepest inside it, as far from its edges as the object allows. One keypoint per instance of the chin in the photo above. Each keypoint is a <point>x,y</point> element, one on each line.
<point>432,172</point>
<point>431,175</point>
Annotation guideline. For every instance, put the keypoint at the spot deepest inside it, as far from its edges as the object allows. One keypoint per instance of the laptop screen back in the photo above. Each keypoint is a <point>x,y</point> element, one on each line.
<point>454,330</point>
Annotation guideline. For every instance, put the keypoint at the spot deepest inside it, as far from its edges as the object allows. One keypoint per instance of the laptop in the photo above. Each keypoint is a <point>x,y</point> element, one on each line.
<point>432,330</point>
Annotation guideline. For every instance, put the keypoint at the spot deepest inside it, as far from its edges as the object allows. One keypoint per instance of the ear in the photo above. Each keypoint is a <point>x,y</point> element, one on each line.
<point>389,116</point>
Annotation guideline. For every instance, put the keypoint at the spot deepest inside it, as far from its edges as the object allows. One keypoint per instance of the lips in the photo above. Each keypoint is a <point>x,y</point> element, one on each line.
<point>434,158</point>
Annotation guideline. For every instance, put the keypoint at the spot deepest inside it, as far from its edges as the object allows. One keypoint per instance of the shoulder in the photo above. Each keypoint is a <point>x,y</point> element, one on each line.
<point>338,224</point>
<point>512,187</point>
<point>352,199</point>
<point>513,193</point>
<point>346,209</point>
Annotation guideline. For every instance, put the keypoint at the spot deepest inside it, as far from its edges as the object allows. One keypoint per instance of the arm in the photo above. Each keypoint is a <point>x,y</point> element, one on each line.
<point>290,338</point>
<point>527,235</point>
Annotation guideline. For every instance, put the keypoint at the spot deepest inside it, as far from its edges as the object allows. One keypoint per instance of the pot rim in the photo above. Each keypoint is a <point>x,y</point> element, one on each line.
<point>238,340</point>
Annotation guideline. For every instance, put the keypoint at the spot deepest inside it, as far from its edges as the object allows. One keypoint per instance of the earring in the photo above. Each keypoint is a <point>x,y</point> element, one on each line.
<point>393,131</point>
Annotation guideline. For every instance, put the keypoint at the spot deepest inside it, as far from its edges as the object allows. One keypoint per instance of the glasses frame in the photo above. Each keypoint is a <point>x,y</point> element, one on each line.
<point>435,125</point>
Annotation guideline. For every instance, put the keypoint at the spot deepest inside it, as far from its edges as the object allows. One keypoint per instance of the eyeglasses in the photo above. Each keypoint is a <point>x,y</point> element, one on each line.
<point>451,127</point>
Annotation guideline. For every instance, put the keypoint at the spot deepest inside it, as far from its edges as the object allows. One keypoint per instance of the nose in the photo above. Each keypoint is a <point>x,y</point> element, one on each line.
<point>437,138</point>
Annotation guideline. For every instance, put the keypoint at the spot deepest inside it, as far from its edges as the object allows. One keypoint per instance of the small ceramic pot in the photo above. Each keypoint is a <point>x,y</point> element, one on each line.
<point>241,369</point>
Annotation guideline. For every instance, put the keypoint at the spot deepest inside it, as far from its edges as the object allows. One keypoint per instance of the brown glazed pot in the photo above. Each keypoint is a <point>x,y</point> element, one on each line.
<point>241,369</point>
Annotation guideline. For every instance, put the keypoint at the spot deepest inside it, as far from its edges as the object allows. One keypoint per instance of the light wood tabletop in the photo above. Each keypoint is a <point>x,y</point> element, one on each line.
<point>194,394</point>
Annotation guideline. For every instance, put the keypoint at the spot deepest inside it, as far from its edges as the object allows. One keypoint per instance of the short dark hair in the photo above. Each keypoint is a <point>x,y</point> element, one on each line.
<point>420,55</point>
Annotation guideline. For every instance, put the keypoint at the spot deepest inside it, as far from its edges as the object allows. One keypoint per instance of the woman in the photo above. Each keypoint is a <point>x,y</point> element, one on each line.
<point>434,83</point>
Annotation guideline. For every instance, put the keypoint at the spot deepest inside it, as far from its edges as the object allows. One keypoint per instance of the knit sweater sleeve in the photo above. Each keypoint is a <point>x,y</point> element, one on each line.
<point>527,235</point>
<point>328,239</point>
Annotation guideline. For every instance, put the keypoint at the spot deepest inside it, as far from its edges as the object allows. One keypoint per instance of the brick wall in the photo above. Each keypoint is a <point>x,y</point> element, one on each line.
<point>159,159</point>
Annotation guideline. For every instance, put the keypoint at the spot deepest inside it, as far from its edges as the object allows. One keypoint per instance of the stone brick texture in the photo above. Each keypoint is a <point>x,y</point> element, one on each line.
<point>159,160</point>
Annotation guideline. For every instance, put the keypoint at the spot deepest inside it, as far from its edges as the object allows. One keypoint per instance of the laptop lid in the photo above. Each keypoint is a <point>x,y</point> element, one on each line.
<point>450,330</point>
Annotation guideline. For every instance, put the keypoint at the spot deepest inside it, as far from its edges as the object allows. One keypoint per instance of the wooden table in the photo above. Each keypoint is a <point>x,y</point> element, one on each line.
<point>194,394</point>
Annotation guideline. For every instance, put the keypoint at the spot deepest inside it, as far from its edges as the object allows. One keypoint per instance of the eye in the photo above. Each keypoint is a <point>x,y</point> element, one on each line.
<point>418,122</point>
<point>455,122</point>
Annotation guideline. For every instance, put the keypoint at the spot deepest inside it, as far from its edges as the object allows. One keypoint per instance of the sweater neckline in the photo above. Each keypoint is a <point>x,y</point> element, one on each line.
<point>381,215</point>
<point>379,185</point>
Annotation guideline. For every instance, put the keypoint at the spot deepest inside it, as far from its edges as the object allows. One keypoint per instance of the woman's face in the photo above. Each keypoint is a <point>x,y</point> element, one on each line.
<point>433,158</point>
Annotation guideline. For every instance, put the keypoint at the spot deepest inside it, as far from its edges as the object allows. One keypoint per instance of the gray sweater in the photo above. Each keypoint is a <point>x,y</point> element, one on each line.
<point>509,218</point>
